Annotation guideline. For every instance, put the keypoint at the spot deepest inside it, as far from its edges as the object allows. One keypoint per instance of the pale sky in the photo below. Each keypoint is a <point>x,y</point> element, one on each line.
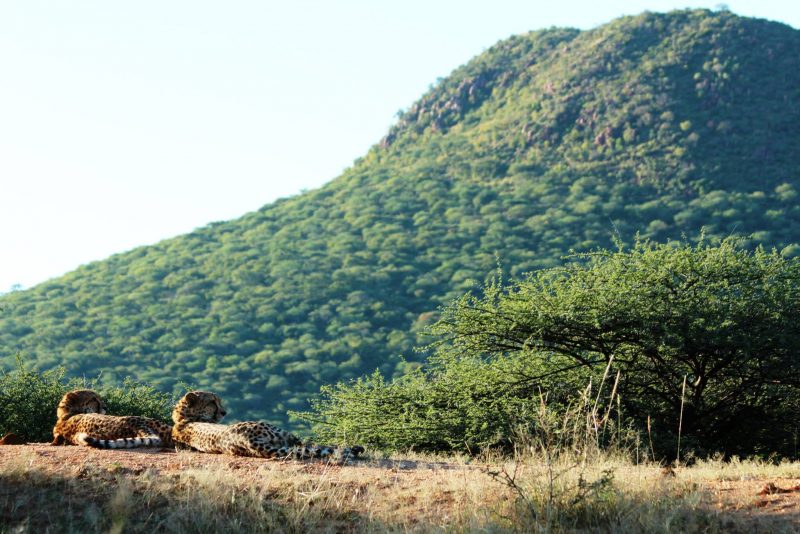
<point>124,123</point>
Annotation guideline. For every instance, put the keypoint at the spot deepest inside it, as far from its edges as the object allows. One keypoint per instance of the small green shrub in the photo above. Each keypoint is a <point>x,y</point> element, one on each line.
<point>136,398</point>
<point>29,400</point>
<point>463,404</point>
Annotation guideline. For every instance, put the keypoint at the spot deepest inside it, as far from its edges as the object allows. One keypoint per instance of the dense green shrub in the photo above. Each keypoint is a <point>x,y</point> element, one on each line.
<point>719,317</point>
<point>137,398</point>
<point>29,400</point>
<point>723,320</point>
<point>462,403</point>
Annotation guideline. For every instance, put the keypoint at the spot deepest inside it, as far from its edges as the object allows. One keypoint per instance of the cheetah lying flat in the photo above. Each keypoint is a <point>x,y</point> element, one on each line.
<point>195,417</point>
<point>82,421</point>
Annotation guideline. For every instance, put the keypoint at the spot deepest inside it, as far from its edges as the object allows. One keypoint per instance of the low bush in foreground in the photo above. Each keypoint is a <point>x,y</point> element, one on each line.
<point>30,398</point>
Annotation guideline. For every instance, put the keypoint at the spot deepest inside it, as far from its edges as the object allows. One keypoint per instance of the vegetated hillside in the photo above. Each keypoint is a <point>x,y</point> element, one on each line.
<point>555,140</point>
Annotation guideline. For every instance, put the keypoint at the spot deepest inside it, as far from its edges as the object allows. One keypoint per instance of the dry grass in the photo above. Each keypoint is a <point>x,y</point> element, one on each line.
<point>614,495</point>
<point>72,489</point>
<point>41,490</point>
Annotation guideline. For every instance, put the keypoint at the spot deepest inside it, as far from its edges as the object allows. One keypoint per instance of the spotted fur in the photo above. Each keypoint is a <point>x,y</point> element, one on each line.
<point>196,426</point>
<point>82,421</point>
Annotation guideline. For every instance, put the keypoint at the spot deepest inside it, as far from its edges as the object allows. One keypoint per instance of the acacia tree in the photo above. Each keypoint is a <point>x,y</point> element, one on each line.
<point>724,319</point>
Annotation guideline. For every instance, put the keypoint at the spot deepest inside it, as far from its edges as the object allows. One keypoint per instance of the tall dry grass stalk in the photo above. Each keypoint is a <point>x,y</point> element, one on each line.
<point>680,421</point>
<point>594,420</point>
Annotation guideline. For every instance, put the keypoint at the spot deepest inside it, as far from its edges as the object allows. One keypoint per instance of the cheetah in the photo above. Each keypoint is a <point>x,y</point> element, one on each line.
<point>196,416</point>
<point>82,421</point>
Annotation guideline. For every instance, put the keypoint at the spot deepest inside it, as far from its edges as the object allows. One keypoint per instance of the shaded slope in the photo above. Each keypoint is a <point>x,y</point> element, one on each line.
<point>551,141</point>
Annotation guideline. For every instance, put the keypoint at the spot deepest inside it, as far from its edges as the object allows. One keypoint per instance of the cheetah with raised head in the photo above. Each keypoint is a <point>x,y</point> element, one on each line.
<point>82,421</point>
<point>196,416</point>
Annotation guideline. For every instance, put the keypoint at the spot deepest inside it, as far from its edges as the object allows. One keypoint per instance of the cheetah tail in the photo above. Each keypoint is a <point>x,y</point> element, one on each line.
<point>325,451</point>
<point>122,443</point>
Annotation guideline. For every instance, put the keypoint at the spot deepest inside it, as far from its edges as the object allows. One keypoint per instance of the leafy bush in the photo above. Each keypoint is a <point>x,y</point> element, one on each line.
<point>720,319</point>
<point>454,403</point>
<point>704,337</point>
<point>29,400</point>
<point>136,398</point>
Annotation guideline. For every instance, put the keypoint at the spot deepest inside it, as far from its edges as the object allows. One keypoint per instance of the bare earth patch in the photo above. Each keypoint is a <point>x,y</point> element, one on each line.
<point>71,460</point>
<point>775,496</point>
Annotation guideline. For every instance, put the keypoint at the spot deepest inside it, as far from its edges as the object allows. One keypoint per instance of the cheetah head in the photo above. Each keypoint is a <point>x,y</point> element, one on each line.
<point>80,401</point>
<point>198,406</point>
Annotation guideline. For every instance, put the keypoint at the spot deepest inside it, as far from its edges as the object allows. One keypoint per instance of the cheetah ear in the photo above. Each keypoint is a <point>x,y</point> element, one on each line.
<point>192,398</point>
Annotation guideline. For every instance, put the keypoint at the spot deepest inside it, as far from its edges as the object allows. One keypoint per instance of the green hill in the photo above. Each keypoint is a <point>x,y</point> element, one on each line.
<point>559,139</point>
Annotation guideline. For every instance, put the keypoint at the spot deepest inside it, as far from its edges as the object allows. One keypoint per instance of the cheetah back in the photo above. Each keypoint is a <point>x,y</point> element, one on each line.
<point>196,416</point>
